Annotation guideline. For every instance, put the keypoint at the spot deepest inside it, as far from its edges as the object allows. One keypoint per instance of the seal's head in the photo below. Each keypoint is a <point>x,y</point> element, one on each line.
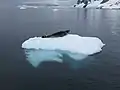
<point>44,36</point>
<point>67,31</point>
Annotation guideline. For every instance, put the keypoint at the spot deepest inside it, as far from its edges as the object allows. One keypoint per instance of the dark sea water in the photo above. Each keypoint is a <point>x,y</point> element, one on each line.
<point>97,72</point>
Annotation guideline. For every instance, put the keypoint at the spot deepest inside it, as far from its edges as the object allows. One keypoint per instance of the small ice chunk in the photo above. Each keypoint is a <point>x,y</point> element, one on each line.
<point>55,10</point>
<point>22,7</point>
<point>35,7</point>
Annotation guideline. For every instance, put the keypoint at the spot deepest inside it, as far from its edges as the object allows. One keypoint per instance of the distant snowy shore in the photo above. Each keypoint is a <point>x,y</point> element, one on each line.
<point>111,4</point>
<point>98,4</point>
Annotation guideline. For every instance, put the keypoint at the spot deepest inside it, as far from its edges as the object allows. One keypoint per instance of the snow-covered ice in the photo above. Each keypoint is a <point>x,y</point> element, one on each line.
<point>90,4</point>
<point>111,4</point>
<point>71,42</point>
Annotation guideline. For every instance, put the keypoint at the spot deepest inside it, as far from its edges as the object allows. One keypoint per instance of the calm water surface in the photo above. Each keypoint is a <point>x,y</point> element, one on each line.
<point>97,72</point>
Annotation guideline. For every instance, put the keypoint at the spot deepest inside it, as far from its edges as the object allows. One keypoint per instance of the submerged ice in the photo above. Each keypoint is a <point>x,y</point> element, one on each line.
<point>36,57</point>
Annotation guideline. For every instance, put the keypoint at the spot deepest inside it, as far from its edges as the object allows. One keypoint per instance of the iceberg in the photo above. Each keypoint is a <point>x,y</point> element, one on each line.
<point>75,47</point>
<point>71,42</point>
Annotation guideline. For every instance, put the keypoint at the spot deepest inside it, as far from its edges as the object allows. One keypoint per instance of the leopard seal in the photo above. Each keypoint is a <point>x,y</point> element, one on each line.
<point>57,34</point>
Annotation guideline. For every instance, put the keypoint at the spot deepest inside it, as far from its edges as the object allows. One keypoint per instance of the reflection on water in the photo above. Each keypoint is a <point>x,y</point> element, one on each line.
<point>35,57</point>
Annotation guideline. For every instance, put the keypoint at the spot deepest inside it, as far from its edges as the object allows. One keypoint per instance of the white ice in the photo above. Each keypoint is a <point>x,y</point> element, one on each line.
<point>26,7</point>
<point>71,42</point>
<point>22,7</point>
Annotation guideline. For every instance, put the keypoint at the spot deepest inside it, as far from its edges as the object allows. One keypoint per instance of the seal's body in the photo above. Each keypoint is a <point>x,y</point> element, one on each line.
<point>57,34</point>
